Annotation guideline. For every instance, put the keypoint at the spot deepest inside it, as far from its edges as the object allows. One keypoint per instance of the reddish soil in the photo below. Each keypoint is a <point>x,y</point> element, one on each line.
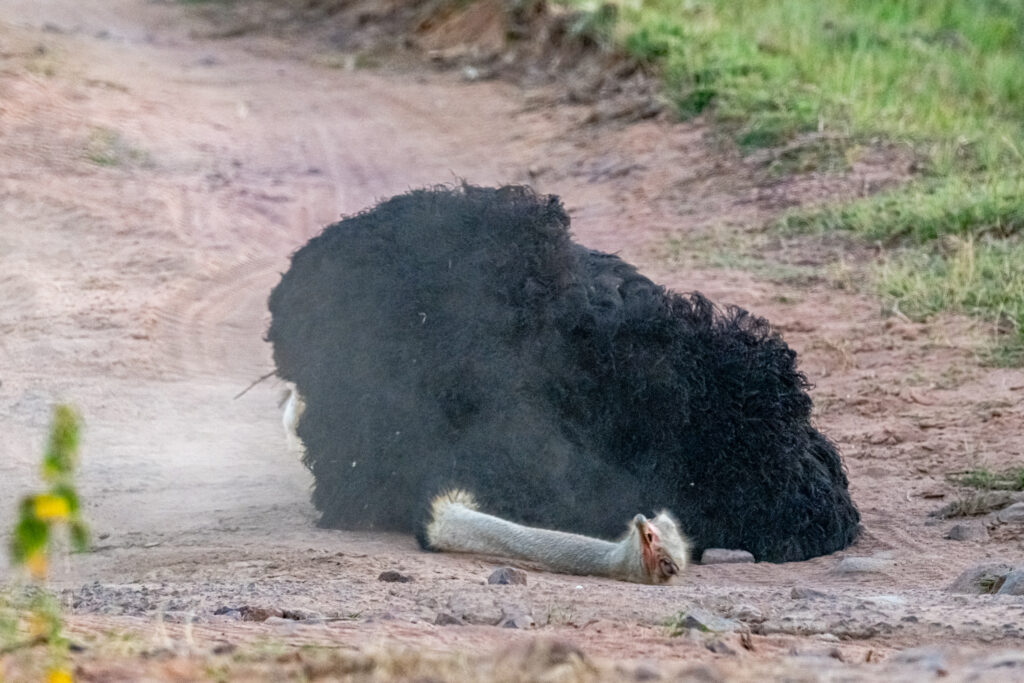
<point>153,182</point>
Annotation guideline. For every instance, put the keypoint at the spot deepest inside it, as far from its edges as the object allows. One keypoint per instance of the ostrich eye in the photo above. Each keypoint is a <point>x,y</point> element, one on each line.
<point>669,567</point>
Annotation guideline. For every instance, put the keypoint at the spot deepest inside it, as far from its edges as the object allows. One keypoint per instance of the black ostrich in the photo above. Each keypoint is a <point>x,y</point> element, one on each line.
<point>457,337</point>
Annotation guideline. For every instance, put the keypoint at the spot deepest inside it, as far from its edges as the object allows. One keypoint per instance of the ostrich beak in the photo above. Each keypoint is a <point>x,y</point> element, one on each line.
<point>650,542</point>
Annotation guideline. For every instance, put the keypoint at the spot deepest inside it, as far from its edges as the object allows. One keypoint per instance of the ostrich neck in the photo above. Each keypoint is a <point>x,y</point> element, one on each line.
<point>460,529</point>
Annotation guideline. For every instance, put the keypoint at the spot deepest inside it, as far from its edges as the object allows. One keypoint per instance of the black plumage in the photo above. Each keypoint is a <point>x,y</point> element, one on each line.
<point>458,337</point>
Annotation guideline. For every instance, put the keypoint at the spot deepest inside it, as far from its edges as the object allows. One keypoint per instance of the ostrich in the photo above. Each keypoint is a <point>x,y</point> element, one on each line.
<point>457,338</point>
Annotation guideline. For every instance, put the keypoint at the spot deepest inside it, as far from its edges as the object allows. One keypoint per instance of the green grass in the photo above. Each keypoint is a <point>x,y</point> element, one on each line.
<point>984,279</point>
<point>953,245</point>
<point>989,205</point>
<point>986,479</point>
<point>942,77</point>
<point>941,72</point>
<point>106,147</point>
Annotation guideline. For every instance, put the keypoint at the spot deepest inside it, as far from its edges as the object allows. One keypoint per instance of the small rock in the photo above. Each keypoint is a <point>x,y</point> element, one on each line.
<point>928,658</point>
<point>516,616</point>
<point>1013,584</point>
<point>224,648</point>
<point>748,614</point>
<point>724,556</point>
<point>517,620</point>
<point>298,614</point>
<point>646,672</point>
<point>470,73</point>
<point>505,576</point>
<point>258,613</point>
<point>537,171</point>
<point>702,620</point>
<point>981,579</point>
<point>720,647</point>
<point>801,593</point>
<point>1010,659</point>
<point>968,531</point>
<point>1011,515</point>
<point>447,619</point>
<point>391,576</point>
<point>862,565</point>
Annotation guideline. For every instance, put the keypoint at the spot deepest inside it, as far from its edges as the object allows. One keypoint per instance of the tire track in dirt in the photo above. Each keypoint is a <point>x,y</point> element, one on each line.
<point>212,328</point>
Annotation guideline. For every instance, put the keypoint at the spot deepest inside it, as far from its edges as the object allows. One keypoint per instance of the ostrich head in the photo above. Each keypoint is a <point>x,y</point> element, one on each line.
<point>662,549</point>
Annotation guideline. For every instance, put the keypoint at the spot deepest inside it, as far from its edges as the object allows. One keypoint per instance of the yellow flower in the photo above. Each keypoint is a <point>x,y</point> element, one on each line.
<point>59,676</point>
<point>37,565</point>
<point>49,507</point>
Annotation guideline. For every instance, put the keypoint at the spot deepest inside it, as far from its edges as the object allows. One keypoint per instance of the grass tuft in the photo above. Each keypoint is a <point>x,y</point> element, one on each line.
<point>982,478</point>
<point>106,147</point>
<point>980,278</point>
<point>991,206</point>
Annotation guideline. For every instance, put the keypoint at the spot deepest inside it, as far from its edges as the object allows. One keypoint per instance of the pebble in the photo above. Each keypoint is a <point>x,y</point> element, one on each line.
<point>1013,584</point>
<point>725,556</point>
<point>299,614</point>
<point>504,576</point>
<point>748,614</point>
<point>980,579</point>
<point>1013,514</point>
<point>720,647</point>
<point>258,613</point>
<point>801,593</point>
<point>517,619</point>
<point>391,576</point>
<point>1010,659</point>
<point>228,612</point>
<point>703,620</point>
<point>928,658</point>
<point>968,531</point>
<point>447,619</point>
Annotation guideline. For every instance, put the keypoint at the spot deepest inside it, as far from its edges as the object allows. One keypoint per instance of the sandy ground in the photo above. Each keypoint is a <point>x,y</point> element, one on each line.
<point>153,183</point>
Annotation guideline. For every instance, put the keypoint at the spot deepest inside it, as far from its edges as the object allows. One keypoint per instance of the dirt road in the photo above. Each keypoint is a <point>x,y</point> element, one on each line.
<point>153,182</point>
